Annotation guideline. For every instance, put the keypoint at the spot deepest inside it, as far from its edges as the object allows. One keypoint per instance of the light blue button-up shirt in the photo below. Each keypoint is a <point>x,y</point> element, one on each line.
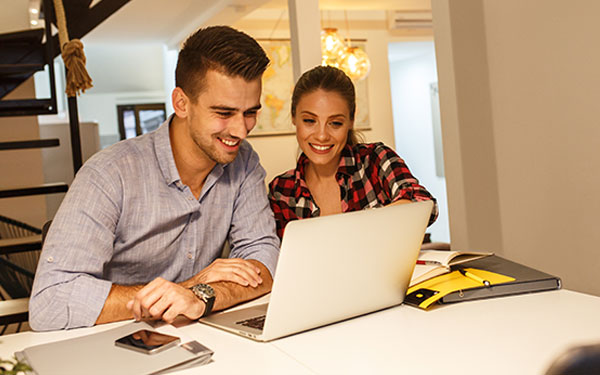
<point>127,219</point>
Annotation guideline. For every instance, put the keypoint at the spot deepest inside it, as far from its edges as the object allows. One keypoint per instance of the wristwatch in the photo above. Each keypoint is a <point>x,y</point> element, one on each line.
<point>207,294</point>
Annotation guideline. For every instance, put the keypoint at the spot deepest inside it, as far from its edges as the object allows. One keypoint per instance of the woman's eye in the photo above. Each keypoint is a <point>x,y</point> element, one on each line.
<point>308,121</point>
<point>337,124</point>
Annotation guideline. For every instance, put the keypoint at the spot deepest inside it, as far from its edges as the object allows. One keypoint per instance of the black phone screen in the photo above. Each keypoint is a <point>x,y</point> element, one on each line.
<point>147,341</point>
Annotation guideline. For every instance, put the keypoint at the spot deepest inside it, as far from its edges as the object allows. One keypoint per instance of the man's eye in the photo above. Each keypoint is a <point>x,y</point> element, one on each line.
<point>251,113</point>
<point>224,114</point>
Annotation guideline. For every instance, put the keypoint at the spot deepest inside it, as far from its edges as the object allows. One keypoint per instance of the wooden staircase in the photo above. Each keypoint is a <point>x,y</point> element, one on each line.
<point>22,54</point>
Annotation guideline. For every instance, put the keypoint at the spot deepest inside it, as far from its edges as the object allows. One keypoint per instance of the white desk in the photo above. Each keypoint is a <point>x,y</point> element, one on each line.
<point>510,335</point>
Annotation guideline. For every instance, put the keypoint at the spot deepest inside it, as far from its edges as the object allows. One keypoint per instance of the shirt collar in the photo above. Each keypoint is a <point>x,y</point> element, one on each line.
<point>166,160</point>
<point>164,152</point>
<point>347,166</point>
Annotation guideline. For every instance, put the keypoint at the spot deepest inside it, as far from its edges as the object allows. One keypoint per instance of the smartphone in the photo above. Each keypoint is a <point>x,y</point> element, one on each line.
<point>146,341</point>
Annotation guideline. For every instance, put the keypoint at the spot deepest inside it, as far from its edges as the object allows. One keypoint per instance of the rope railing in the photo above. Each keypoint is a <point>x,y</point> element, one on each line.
<point>78,79</point>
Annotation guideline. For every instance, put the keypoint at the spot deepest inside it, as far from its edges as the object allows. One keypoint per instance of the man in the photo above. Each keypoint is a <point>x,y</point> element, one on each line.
<point>139,232</point>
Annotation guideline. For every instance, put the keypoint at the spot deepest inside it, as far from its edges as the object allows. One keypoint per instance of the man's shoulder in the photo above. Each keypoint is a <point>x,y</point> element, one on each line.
<point>121,154</point>
<point>246,157</point>
<point>246,151</point>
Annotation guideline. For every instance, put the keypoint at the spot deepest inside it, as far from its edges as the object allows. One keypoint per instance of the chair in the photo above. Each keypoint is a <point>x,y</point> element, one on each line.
<point>20,246</point>
<point>578,360</point>
<point>428,245</point>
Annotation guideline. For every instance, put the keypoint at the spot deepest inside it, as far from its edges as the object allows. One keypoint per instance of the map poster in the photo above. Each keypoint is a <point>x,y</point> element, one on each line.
<point>274,117</point>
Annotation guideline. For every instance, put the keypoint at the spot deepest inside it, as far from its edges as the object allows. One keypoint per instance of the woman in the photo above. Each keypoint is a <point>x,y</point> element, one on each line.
<point>335,173</point>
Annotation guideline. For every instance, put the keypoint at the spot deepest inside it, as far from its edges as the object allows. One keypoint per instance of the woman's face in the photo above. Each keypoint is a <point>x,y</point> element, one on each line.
<point>322,123</point>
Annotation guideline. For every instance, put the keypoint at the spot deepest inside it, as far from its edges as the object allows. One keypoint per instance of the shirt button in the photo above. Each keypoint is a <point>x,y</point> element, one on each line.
<point>190,256</point>
<point>50,259</point>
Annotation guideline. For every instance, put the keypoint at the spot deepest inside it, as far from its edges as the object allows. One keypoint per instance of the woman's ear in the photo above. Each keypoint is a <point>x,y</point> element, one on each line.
<point>180,102</point>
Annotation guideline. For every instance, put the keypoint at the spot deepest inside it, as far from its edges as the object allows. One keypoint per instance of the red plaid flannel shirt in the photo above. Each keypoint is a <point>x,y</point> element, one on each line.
<point>370,175</point>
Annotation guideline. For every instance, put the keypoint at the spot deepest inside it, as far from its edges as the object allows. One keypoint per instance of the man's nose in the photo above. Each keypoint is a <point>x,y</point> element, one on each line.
<point>238,126</point>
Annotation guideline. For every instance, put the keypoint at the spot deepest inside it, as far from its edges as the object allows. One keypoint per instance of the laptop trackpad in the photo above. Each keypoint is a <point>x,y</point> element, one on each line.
<point>245,317</point>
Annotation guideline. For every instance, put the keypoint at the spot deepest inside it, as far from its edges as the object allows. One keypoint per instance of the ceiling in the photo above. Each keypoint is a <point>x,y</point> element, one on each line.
<point>170,22</point>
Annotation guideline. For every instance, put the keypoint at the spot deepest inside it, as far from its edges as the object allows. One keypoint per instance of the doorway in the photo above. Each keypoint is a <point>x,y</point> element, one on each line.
<point>417,129</point>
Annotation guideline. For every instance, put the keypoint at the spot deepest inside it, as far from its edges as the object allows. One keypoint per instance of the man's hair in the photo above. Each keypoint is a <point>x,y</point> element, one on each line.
<point>219,48</point>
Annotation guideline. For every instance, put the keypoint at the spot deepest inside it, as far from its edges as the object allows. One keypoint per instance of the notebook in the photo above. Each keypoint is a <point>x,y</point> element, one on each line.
<point>526,280</point>
<point>97,354</point>
<point>505,278</point>
<point>333,268</point>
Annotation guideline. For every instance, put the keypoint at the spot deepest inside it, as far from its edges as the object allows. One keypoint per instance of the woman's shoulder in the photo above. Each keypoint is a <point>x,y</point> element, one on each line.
<point>376,149</point>
<point>283,180</point>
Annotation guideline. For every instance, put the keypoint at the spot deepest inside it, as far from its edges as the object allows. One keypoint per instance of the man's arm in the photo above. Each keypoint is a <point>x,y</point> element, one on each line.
<point>252,232</point>
<point>223,274</point>
<point>115,306</point>
<point>229,294</point>
<point>68,290</point>
<point>162,299</point>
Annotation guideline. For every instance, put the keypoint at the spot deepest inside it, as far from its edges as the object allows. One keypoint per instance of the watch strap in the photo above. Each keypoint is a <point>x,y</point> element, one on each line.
<point>206,293</point>
<point>209,303</point>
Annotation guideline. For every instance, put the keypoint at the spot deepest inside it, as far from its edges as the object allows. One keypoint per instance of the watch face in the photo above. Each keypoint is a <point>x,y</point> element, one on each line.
<point>204,290</point>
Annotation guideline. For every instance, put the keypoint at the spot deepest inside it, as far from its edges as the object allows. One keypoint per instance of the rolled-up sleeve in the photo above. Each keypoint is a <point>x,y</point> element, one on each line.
<point>399,181</point>
<point>252,234</point>
<point>68,290</point>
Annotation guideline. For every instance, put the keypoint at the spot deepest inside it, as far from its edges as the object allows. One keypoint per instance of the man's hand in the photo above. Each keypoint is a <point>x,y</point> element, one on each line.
<point>235,270</point>
<point>162,299</point>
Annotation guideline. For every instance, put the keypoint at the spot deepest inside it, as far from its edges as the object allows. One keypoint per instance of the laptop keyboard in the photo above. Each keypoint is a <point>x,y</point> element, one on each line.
<point>256,322</point>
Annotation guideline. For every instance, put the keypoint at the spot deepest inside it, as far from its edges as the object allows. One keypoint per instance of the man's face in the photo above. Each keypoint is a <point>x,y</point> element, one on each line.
<point>223,114</point>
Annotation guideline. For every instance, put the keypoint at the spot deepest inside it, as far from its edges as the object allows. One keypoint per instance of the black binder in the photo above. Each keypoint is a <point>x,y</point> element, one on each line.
<point>527,280</point>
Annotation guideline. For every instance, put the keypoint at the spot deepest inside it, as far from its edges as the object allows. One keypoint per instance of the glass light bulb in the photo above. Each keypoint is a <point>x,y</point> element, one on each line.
<point>332,47</point>
<point>355,63</point>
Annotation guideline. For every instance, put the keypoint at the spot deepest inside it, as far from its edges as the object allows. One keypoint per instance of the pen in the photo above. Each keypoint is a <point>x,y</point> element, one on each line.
<point>429,262</point>
<point>474,277</point>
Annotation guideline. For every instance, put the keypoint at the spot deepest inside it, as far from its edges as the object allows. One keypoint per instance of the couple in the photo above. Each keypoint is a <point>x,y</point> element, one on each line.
<point>140,232</point>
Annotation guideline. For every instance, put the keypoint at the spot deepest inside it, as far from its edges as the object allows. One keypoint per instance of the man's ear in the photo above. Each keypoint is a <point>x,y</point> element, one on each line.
<point>180,102</point>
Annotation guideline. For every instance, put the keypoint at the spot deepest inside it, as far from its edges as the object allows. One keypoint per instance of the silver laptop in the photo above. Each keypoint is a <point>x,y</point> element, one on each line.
<point>333,268</point>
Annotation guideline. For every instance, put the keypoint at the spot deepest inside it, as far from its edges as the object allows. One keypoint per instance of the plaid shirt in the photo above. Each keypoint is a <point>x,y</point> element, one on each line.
<point>370,175</point>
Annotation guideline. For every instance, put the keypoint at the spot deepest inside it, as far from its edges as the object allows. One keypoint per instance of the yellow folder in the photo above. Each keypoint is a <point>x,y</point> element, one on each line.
<point>424,294</point>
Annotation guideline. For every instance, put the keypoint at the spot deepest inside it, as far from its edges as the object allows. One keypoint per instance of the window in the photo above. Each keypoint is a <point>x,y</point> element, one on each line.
<point>138,119</point>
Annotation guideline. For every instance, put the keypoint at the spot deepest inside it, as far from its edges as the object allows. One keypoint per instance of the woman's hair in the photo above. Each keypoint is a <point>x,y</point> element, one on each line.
<point>330,79</point>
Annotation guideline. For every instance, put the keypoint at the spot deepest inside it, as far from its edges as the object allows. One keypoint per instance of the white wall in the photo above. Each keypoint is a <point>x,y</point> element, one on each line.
<point>279,153</point>
<point>102,109</point>
<point>122,74</point>
<point>58,161</point>
<point>519,91</point>
<point>412,70</point>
